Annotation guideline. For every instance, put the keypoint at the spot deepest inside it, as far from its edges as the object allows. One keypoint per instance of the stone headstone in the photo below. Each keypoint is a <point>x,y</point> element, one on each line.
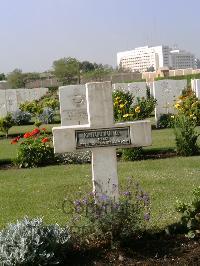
<point>138,89</point>
<point>73,107</point>
<point>11,100</point>
<point>3,110</point>
<point>166,93</point>
<point>195,84</point>
<point>102,136</point>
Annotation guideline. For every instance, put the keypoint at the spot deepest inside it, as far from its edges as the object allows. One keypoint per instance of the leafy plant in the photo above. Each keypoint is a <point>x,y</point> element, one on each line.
<point>185,135</point>
<point>132,154</point>
<point>128,109</point>
<point>190,219</point>
<point>30,242</point>
<point>47,115</point>
<point>165,121</point>
<point>101,219</point>
<point>6,123</point>
<point>21,118</point>
<point>74,157</point>
<point>189,105</point>
<point>35,149</point>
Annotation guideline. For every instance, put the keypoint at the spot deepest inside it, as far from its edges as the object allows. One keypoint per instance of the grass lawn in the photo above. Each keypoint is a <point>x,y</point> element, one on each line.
<point>162,139</point>
<point>41,191</point>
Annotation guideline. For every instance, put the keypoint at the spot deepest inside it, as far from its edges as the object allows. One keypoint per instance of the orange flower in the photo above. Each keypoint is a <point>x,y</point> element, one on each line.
<point>44,129</point>
<point>44,140</point>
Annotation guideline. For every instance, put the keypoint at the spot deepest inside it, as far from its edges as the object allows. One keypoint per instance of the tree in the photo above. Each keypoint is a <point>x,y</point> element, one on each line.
<point>99,72</point>
<point>6,123</point>
<point>67,70</point>
<point>15,79</point>
<point>86,66</point>
<point>2,76</point>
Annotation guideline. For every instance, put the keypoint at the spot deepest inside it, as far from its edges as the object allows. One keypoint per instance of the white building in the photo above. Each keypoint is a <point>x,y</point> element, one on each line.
<point>142,58</point>
<point>180,59</point>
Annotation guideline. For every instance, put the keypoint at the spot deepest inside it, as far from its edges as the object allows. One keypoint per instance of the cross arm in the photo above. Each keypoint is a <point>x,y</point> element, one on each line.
<point>139,135</point>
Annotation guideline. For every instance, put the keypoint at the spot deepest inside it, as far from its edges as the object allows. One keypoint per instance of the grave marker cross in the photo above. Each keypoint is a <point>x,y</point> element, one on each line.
<point>102,136</point>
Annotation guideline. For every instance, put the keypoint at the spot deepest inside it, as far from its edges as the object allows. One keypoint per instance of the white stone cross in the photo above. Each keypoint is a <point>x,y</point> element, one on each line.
<point>102,136</point>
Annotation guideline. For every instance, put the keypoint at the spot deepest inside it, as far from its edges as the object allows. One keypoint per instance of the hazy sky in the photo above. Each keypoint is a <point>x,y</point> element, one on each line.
<point>34,33</point>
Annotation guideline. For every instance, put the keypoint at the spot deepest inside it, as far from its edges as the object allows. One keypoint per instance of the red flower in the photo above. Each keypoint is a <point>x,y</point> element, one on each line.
<point>15,140</point>
<point>44,140</point>
<point>44,129</point>
<point>35,132</point>
<point>27,135</point>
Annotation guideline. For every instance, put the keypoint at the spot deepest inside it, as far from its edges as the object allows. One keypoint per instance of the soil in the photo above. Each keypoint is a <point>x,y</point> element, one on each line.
<point>155,250</point>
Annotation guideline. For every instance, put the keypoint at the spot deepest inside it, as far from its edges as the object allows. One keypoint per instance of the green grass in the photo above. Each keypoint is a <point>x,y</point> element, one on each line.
<point>41,191</point>
<point>162,139</point>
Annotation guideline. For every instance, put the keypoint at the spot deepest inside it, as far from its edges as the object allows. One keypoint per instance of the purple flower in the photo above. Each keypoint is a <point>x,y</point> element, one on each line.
<point>84,201</point>
<point>147,216</point>
<point>127,193</point>
<point>77,202</point>
<point>103,197</point>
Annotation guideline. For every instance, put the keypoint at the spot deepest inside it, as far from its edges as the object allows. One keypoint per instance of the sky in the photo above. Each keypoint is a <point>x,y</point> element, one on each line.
<point>34,33</point>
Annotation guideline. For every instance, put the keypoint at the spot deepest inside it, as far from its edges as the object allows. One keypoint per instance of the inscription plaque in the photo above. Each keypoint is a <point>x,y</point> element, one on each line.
<point>93,138</point>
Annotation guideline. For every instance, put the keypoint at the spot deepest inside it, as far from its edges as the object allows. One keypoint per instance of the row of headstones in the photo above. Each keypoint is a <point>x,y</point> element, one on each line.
<point>11,99</point>
<point>73,98</point>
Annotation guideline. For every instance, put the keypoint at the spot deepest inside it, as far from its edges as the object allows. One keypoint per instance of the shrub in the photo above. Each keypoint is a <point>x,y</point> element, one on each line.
<point>35,149</point>
<point>21,118</point>
<point>6,123</point>
<point>30,242</point>
<point>185,135</point>
<point>165,121</point>
<point>126,109</point>
<point>47,115</point>
<point>189,105</point>
<point>74,157</point>
<point>103,219</point>
<point>190,214</point>
<point>132,154</point>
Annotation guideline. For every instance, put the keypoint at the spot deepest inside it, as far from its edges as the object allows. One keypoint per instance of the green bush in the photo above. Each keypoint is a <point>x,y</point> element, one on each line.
<point>21,118</point>
<point>190,214</point>
<point>165,121</point>
<point>185,135</point>
<point>132,154</point>
<point>74,157</point>
<point>6,123</point>
<point>128,109</point>
<point>35,149</point>
<point>30,242</point>
<point>99,218</point>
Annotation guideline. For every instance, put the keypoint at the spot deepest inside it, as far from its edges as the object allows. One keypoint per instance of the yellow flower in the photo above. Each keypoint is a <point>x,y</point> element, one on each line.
<point>137,109</point>
<point>121,106</point>
<point>177,106</point>
<point>172,116</point>
<point>191,115</point>
<point>127,115</point>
